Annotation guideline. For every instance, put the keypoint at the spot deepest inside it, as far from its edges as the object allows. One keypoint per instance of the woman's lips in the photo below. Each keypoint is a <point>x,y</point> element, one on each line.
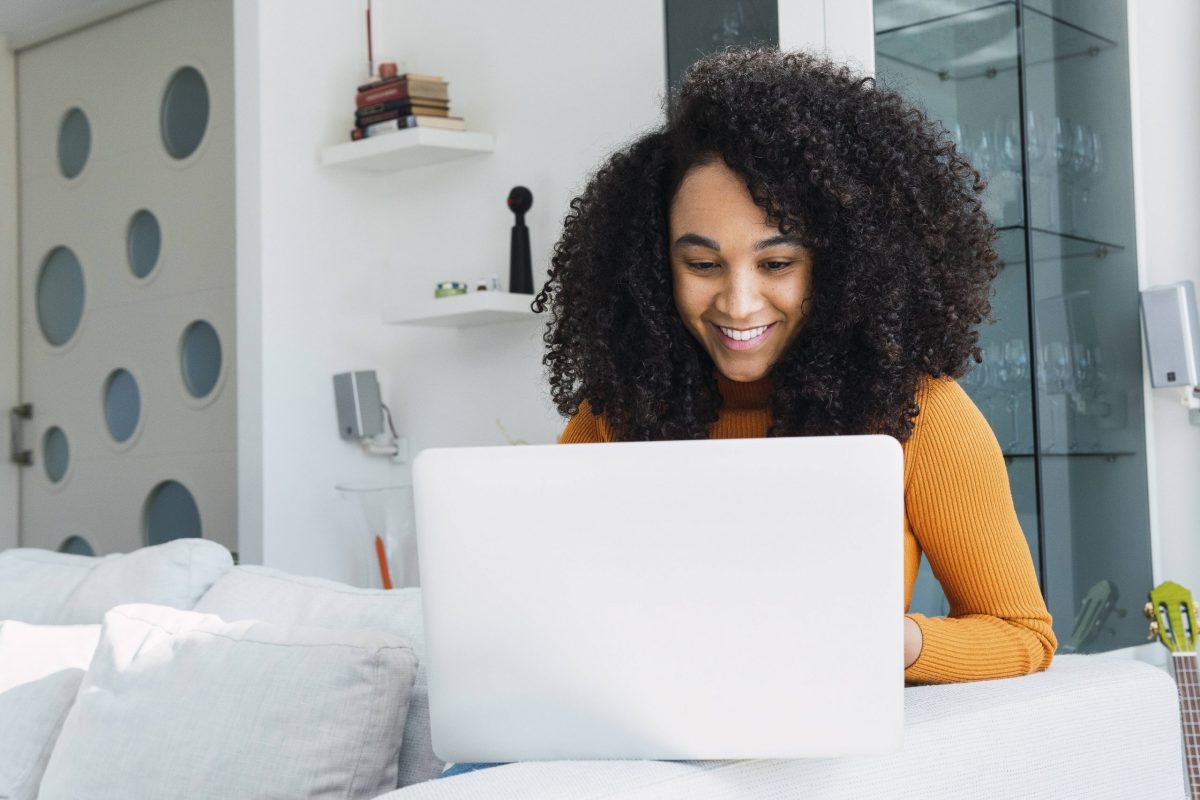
<point>744,344</point>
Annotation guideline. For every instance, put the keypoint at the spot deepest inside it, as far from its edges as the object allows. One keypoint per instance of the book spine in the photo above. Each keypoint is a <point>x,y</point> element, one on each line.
<point>408,76</point>
<point>399,91</point>
<point>400,123</point>
<point>382,95</point>
<point>404,105</point>
<point>391,125</point>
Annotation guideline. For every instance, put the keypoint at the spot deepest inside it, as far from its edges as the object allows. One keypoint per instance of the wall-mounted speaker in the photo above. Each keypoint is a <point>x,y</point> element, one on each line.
<point>1172,334</point>
<point>359,406</point>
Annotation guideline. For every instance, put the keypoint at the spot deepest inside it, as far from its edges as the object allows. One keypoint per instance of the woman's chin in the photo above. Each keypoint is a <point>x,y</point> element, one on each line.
<point>743,373</point>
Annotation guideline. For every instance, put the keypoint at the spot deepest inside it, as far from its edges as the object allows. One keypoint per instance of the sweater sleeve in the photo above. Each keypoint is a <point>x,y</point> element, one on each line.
<point>584,428</point>
<point>960,508</point>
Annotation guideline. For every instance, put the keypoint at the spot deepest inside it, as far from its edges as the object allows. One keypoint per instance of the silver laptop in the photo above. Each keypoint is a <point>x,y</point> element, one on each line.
<point>717,599</point>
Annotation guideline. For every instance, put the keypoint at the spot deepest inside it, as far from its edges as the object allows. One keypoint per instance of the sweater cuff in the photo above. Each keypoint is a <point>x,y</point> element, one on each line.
<point>931,665</point>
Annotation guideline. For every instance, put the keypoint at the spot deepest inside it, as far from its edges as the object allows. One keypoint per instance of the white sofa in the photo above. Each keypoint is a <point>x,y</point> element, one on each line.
<point>1090,727</point>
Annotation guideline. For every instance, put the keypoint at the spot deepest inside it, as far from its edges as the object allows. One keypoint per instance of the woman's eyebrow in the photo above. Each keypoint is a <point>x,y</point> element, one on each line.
<point>783,238</point>
<point>695,239</point>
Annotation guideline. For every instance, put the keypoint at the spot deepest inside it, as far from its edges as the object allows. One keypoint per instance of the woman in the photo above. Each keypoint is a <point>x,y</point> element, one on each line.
<point>798,252</point>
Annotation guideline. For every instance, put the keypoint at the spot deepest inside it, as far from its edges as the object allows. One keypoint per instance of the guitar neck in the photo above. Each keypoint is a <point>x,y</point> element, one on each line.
<point>1188,681</point>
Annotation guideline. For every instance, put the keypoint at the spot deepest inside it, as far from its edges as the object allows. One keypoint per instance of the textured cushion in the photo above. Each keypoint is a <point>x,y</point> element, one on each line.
<point>262,593</point>
<point>40,670</point>
<point>174,574</point>
<point>45,587</point>
<point>1090,728</point>
<point>178,703</point>
<point>35,584</point>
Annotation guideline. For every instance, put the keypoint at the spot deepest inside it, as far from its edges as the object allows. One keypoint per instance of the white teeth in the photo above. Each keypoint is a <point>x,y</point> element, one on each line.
<point>742,336</point>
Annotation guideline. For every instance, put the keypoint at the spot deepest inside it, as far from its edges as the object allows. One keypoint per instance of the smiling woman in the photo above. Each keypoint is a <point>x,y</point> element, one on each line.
<point>798,252</point>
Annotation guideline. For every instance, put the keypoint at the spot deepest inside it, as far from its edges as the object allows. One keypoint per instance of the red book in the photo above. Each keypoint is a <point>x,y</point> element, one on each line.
<point>384,94</point>
<point>398,90</point>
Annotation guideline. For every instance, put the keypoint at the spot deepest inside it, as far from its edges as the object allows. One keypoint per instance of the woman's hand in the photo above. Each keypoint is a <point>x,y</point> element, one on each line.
<point>912,641</point>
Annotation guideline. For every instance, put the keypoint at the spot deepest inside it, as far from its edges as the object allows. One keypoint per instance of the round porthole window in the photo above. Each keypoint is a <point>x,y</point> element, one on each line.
<point>171,513</point>
<point>76,545</point>
<point>56,454</point>
<point>122,405</point>
<point>200,358</point>
<point>74,143</point>
<point>184,112</point>
<point>60,292</point>
<point>144,243</point>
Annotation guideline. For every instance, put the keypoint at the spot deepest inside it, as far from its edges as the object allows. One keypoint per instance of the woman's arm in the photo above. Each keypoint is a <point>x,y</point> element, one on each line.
<point>960,507</point>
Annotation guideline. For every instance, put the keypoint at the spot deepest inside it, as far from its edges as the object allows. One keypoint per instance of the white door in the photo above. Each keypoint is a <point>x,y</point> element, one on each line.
<point>127,280</point>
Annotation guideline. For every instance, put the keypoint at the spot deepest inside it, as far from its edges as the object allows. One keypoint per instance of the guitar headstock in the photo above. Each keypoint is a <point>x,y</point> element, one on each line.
<point>1172,617</point>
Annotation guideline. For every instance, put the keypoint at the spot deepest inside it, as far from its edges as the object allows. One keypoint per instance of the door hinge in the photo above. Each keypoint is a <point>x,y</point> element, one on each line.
<point>17,453</point>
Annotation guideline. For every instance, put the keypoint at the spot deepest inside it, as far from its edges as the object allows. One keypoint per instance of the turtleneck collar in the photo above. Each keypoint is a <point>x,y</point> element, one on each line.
<point>751,395</point>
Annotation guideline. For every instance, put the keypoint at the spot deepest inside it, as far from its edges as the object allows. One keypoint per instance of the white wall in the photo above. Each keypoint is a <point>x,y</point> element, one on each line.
<point>9,288</point>
<point>1165,78</point>
<point>842,29</point>
<point>559,84</point>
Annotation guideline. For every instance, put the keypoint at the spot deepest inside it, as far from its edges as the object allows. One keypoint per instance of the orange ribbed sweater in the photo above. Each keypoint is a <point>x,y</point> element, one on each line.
<point>958,512</point>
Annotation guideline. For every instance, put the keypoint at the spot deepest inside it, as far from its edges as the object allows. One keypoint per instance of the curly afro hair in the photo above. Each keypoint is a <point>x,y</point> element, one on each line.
<point>903,254</point>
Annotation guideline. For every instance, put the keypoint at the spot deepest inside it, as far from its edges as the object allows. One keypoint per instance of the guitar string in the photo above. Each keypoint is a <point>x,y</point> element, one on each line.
<point>1186,680</point>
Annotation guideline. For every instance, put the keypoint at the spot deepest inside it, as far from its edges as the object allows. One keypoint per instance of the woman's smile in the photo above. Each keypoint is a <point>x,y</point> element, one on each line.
<point>742,339</point>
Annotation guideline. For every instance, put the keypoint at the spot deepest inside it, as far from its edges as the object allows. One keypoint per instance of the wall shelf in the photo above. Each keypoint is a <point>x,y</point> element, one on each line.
<point>414,147</point>
<point>463,311</point>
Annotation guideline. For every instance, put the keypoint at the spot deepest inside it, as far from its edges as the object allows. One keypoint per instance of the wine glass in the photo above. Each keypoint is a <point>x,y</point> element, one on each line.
<point>1016,361</point>
<point>1056,360</point>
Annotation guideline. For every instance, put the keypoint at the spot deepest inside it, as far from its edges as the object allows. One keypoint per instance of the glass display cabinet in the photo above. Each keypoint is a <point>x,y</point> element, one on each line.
<point>1036,94</point>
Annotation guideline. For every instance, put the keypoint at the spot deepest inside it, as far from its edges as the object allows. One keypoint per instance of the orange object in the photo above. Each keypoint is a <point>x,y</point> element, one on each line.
<point>383,565</point>
<point>958,514</point>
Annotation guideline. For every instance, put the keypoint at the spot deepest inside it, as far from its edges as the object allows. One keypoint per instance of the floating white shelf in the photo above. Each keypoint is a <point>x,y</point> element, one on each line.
<point>413,147</point>
<point>463,311</point>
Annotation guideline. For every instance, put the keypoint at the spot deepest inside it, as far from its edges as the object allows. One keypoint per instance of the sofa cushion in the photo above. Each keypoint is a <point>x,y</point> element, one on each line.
<point>262,593</point>
<point>177,703</point>
<point>40,670</point>
<point>45,587</point>
<point>175,574</point>
<point>35,584</point>
<point>1089,728</point>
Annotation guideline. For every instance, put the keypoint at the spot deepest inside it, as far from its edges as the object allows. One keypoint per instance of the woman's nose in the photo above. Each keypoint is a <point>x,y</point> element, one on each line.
<point>741,297</point>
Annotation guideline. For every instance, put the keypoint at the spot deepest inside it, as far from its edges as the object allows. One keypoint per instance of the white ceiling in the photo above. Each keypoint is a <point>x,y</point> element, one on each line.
<point>27,22</point>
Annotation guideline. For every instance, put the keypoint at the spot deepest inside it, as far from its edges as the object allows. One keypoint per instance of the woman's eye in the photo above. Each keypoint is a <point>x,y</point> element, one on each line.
<point>776,266</point>
<point>702,266</point>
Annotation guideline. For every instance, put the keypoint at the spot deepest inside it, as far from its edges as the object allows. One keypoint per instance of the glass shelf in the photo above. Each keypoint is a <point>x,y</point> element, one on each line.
<point>1062,246</point>
<point>1071,454</point>
<point>976,40</point>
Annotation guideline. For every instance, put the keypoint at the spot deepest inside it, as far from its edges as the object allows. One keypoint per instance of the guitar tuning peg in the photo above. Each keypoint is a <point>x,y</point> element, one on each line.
<point>1153,631</point>
<point>1148,610</point>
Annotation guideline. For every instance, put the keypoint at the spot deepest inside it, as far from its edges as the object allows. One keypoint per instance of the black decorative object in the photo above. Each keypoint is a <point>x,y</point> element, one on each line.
<point>520,271</point>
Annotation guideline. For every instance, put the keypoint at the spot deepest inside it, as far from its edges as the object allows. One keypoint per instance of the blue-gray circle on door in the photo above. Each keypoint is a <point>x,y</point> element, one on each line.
<point>184,112</point>
<point>200,358</point>
<point>60,294</point>
<point>77,545</point>
<point>74,143</point>
<point>171,513</point>
<point>56,453</point>
<point>144,243</point>
<point>122,404</point>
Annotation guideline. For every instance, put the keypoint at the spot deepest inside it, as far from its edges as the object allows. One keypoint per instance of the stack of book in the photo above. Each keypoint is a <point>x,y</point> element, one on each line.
<point>403,101</point>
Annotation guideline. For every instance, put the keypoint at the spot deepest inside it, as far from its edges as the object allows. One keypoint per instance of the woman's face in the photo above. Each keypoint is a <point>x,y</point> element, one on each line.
<point>740,285</point>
